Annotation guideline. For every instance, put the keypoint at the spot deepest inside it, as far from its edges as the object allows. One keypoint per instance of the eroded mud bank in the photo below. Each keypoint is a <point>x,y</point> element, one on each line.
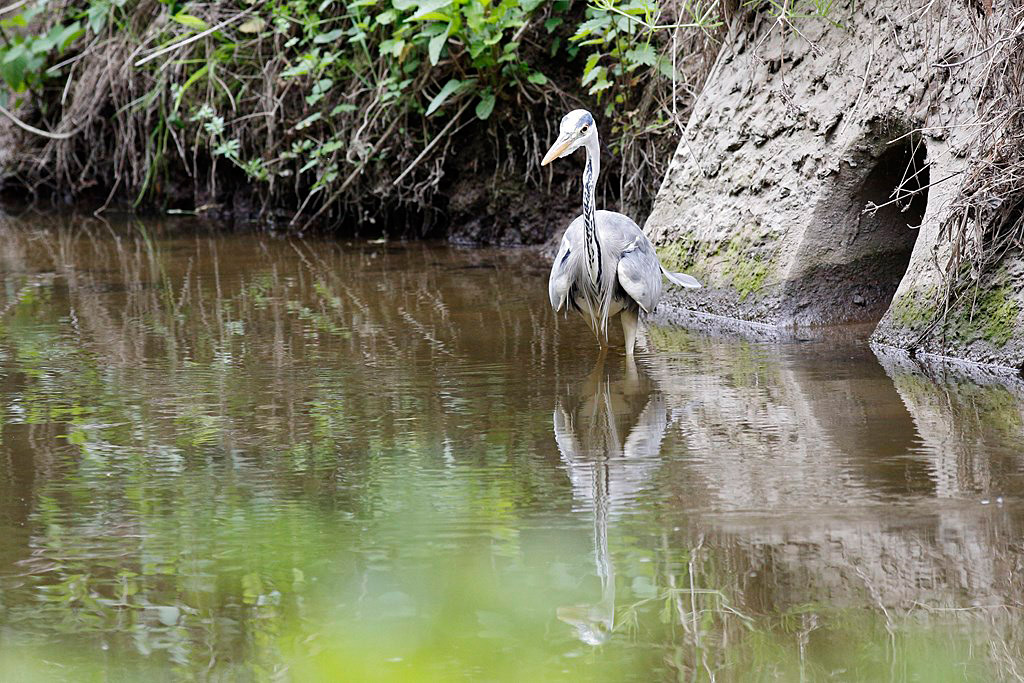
<point>822,175</point>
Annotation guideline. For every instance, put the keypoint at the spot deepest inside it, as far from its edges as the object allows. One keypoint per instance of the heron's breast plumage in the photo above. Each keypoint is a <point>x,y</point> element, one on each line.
<point>629,274</point>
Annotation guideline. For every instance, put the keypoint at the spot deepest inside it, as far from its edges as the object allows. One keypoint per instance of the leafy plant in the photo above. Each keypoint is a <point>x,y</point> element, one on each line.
<point>329,105</point>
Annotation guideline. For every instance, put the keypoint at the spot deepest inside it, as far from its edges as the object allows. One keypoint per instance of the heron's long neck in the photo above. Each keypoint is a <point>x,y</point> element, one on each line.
<point>592,243</point>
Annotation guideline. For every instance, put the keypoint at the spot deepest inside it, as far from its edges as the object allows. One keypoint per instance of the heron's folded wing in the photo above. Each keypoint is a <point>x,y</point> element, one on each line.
<point>560,281</point>
<point>640,275</point>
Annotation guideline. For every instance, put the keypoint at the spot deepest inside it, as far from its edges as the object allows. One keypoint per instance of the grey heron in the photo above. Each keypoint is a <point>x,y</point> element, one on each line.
<point>605,265</point>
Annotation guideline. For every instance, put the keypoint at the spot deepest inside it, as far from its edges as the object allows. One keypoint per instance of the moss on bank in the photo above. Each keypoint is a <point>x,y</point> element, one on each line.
<point>915,311</point>
<point>741,262</point>
<point>993,317</point>
<point>989,313</point>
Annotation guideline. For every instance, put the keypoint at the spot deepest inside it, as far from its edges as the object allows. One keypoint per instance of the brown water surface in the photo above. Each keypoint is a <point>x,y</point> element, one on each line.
<point>239,457</point>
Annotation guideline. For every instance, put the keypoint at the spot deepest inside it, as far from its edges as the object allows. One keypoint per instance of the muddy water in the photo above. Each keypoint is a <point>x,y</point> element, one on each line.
<point>235,457</point>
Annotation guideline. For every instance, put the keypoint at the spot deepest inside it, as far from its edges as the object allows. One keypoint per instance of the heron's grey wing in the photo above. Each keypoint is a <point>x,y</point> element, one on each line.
<point>563,268</point>
<point>640,273</point>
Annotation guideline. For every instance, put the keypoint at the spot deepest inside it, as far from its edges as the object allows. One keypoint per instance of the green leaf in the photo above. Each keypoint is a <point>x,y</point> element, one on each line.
<point>537,78</point>
<point>391,47</point>
<point>17,21</point>
<point>328,37</point>
<point>68,35</point>
<point>308,121</point>
<point>447,91</point>
<point>436,45</point>
<point>304,66</point>
<point>644,54</point>
<point>431,16</point>
<point>97,16</point>
<point>598,24</point>
<point>665,68</point>
<point>15,52</point>
<point>190,21</point>
<point>41,44</point>
<point>320,89</point>
<point>593,73</point>
<point>200,73</point>
<point>428,9</point>
<point>387,17</point>
<point>13,71</point>
<point>602,84</point>
<point>485,106</point>
<point>552,23</point>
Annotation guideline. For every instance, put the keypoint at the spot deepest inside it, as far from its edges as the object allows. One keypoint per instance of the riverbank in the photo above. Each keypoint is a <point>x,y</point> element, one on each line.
<point>847,164</point>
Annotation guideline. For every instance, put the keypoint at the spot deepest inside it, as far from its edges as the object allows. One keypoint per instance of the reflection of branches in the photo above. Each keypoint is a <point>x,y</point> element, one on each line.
<point>143,297</point>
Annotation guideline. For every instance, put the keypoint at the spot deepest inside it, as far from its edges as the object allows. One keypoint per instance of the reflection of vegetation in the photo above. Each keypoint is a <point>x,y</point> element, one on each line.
<point>673,339</point>
<point>230,459</point>
<point>979,427</point>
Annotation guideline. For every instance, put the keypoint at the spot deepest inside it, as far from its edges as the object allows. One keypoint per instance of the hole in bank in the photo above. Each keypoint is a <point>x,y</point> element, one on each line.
<point>858,258</point>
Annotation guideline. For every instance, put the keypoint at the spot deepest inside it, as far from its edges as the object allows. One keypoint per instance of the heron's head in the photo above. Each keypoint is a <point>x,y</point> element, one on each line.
<point>576,128</point>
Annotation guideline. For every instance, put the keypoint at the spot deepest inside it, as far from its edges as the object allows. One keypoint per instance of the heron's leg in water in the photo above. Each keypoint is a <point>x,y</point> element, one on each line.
<point>630,321</point>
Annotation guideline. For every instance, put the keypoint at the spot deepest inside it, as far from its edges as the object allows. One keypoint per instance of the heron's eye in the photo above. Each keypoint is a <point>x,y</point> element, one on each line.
<point>583,130</point>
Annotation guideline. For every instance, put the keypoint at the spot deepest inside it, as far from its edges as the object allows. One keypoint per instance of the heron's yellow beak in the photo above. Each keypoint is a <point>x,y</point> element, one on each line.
<point>556,150</point>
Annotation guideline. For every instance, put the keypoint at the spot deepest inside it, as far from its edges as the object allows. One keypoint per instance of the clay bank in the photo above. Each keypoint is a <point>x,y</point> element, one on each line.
<point>858,171</point>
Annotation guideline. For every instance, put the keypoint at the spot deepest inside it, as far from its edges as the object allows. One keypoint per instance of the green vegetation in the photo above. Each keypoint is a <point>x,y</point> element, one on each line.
<point>333,107</point>
<point>747,271</point>
<point>989,313</point>
<point>682,254</point>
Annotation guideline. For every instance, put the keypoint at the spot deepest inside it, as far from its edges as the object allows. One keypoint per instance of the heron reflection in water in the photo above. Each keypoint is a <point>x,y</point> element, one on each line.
<point>609,434</point>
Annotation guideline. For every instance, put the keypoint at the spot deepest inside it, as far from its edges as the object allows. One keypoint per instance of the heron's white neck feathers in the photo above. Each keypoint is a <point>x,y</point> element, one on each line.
<point>597,284</point>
